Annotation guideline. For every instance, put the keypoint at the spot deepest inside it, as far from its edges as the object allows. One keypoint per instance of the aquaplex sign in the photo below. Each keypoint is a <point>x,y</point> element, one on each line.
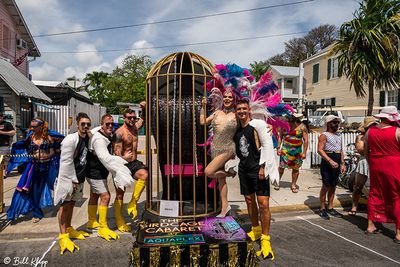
<point>188,239</point>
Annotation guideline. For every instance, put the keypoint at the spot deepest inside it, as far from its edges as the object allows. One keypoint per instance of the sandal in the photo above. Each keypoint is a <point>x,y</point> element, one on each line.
<point>295,190</point>
<point>352,213</point>
<point>376,231</point>
<point>36,220</point>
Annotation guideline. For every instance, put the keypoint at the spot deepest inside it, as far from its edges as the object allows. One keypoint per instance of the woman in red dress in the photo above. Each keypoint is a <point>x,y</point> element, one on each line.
<point>383,153</point>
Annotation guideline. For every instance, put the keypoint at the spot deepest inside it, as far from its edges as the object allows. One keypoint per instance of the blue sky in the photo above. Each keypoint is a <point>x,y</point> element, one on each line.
<point>54,16</point>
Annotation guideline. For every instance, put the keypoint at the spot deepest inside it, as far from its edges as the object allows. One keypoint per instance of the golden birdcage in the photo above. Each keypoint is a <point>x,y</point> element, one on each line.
<point>175,152</point>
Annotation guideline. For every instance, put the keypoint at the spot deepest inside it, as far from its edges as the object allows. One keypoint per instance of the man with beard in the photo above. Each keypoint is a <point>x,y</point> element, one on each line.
<point>69,188</point>
<point>330,149</point>
<point>101,162</point>
<point>126,142</point>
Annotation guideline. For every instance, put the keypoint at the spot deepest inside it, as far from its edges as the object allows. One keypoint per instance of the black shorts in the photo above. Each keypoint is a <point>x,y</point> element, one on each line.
<point>330,176</point>
<point>250,184</point>
<point>135,165</point>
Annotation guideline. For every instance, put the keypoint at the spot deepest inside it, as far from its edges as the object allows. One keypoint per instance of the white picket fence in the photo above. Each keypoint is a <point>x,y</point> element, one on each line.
<point>315,159</point>
<point>57,116</point>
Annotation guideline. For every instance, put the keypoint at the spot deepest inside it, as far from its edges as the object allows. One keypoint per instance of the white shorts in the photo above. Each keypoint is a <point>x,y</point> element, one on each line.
<point>97,186</point>
<point>76,194</point>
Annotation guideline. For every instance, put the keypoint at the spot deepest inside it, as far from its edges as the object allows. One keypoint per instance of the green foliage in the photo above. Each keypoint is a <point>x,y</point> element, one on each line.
<point>258,68</point>
<point>298,49</point>
<point>368,48</point>
<point>126,83</point>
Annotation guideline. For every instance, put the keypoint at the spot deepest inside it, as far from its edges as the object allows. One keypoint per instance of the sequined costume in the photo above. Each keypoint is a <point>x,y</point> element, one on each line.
<point>224,129</point>
<point>291,149</point>
<point>33,191</point>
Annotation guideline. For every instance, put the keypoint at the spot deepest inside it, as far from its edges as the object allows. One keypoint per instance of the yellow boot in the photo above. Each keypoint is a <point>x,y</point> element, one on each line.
<point>92,217</point>
<point>103,230</point>
<point>266,249</point>
<point>74,234</point>
<point>119,219</point>
<point>255,233</point>
<point>140,185</point>
<point>66,243</point>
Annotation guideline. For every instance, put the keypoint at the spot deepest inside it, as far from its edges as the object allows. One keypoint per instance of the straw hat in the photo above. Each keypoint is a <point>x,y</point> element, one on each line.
<point>368,121</point>
<point>389,112</point>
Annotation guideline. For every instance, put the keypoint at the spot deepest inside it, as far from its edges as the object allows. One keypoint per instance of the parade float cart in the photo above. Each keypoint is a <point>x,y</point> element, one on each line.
<point>179,227</point>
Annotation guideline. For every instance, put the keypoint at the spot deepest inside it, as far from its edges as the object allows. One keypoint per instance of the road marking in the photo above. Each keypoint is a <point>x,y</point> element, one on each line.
<point>47,251</point>
<point>348,240</point>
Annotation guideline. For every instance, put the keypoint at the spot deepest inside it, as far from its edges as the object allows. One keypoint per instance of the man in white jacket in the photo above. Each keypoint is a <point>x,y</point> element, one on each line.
<point>101,162</point>
<point>72,173</point>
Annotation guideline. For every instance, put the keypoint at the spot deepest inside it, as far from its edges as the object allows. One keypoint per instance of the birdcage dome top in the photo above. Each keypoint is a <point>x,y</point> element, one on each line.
<point>182,63</point>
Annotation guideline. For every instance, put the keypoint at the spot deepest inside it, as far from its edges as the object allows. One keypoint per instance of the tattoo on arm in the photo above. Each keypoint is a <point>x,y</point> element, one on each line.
<point>118,145</point>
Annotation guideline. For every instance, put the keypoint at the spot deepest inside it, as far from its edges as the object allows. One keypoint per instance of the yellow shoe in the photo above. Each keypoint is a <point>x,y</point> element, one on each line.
<point>255,233</point>
<point>107,233</point>
<point>119,219</point>
<point>104,231</point>
<point>92,217</point>
<point>266,249</point>
<point>92,225</point>
<point>66,244</point>
<point>139,187</point>
<point>74,234</point>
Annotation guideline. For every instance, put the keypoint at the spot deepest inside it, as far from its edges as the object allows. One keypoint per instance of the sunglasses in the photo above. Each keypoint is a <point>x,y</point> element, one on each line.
<point>130,117</point>
<point>334,122</point>
<point>108,124</point>
<point>88,124</point>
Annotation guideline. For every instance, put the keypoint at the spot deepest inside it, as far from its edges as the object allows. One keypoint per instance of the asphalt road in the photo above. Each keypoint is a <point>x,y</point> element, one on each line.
<point>298,239</point>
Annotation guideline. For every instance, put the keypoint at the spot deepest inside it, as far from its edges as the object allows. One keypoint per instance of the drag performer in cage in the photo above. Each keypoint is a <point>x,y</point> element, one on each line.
<point>224,125</point>
<point>40,150</point>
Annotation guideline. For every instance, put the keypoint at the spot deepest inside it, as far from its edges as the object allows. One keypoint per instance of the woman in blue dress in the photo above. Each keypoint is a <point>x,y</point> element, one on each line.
<point>40,150</point>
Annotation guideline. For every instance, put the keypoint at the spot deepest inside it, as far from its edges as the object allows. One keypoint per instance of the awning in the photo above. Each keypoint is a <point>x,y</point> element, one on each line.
<point>21,85</point>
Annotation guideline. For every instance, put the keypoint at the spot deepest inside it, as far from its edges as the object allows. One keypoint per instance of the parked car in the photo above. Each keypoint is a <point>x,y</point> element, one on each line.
<point>317,119</point>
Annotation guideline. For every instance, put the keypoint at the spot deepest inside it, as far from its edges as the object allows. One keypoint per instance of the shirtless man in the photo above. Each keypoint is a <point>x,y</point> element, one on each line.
<point>126,142</point>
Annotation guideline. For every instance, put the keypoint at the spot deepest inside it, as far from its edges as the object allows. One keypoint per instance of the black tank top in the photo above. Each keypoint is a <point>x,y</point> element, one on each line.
<point>97,170</point>
<point>246,148</point>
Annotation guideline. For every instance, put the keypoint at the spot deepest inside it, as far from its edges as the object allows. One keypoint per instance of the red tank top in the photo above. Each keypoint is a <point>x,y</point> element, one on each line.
<point>383,142</point>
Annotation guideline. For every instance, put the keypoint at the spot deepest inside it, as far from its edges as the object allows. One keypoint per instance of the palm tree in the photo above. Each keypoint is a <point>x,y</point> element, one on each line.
<point>368,48</point>
<point>258,68</point>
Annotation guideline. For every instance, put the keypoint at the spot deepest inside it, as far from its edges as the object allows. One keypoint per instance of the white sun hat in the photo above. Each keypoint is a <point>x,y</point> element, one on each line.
<point>389,112</point>
<point>330,118</point>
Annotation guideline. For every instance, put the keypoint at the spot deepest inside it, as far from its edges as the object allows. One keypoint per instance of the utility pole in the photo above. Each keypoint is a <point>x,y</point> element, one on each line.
<point>300,85</point>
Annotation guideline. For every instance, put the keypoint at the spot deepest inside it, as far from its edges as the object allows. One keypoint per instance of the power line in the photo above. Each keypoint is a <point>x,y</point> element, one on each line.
<point>175,45</point>
<point>174,20</point>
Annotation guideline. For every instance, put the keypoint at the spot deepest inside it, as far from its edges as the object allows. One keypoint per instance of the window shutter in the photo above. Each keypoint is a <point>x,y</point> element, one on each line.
<point>315,73</point>
<point>329,69</point>
<point>398,99</point>
<point>382,98</point>
<point>333,101</point>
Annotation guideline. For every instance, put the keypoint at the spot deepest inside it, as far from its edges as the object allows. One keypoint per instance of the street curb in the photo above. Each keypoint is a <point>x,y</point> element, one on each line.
<point>342,202</point>
<point>337,203</point>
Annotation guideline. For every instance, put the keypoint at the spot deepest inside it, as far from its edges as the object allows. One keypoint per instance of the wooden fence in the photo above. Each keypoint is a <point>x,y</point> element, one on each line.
<point>315,159</point>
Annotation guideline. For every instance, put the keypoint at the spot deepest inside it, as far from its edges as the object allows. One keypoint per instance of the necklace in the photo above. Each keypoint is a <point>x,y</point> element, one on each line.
<point>227,110</point>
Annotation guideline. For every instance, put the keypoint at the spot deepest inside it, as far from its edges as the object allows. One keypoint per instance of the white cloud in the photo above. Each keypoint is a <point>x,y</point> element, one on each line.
<point>88,55</point>
<point>44,72</point>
